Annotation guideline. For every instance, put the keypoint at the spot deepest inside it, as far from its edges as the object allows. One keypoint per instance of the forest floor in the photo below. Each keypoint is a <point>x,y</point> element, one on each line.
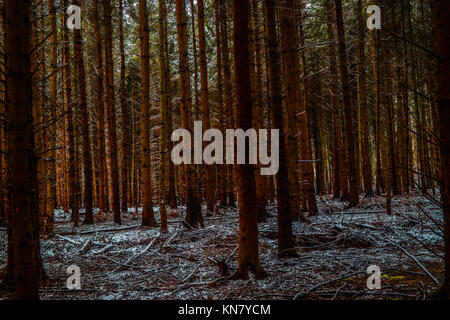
<point>335,248</point>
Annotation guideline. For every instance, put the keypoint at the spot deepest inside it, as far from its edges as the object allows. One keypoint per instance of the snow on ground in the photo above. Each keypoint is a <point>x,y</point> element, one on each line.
<point>334,250</point>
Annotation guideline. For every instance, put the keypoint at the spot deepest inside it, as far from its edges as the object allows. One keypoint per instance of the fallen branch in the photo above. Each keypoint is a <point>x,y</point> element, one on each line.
<point>428,273</point>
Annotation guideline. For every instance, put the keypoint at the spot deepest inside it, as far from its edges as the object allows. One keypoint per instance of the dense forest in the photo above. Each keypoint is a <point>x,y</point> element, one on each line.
<point>91,96</point>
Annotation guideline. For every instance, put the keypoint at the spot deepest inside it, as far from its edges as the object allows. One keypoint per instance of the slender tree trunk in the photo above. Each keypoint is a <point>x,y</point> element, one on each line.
<point>100,106</point>
<point>172,199</point>
<point>348,126</point>
<point>164,159</point>
<point>193,208</point>
<point>74,191</point>
<point>148,218</point>
<point>248,225</point>
<point>210,170</point>
<point>51,137</point>
<point>285,237</point>
<point>291,71</point>
<point>111,112</point>
<point>307,170</point>
<point>125,160</point>
<point>228,94</point>
<point>222,169</point>
<point>367,167</point>
<point>87,160</point>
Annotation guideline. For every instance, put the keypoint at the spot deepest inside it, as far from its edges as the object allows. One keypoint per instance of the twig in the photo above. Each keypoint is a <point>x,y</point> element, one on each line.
<point>436,281</point>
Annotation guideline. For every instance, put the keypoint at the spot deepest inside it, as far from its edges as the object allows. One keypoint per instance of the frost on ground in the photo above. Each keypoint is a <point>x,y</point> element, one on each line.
<point>335,248</point>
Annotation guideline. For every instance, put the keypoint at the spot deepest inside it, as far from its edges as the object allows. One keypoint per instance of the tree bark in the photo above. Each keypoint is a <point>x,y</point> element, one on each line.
<point>442,47</point>
<point>148,218</point>
<point>285,238</point>
<point>111,113</point>
<point>248,225</point>
<point>204,96</point>
<point>22,160</point>
<point>87,160</point>
<point>348,126</point>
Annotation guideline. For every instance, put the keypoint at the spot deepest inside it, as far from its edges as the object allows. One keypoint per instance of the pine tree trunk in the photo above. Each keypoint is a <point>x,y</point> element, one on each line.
<point>367,167</point>
<point>193,207</point>
<point>164,159</point>
<point>222,169</point>
<point>22,160</point>
<point>442,47</point>
<point>348,126</point>
<point>87,160</point>
<point>248,225</point>
<point>73,184</point>
<point>111,112</point>
<point>307,170</point>
<point>100,107</point>
<point>291,70</point>
<point>125,160</point>
<point>51,142</point>
<point>148,218</point>
<point>210,169</point>
<point>285,237</point>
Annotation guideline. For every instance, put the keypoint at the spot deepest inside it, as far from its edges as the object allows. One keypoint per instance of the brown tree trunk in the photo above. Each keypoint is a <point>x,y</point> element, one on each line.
<point>307,170</point>
<point>291,71</point>
<point>148,218</point>
<point>74,191</point>
<point>111,112</point>
<point>163,159</point>
<point>51,136</point>
<point>285,237</point>
<point>348,126</point>
<point>193,207</point>
<point>125,160</point>
<point>248,225</point>
<point>87,160</point>
<point>22,160</point>
<point>367,167</point>
<point>100,106</point>
<point>337,150</point>
<point>210,169</point>
<point>222,169</point>
<point>442,47</point>
<point>228,95</point>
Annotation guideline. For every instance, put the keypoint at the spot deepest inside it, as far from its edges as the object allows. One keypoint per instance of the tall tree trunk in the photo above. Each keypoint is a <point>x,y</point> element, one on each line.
<point>74,192</point>
<point>100,107</point>
<point>210,170</point>
<point>442,47</point>
<point>285,237</point>
<point>248,225</point>
<point>193,207</point>
<point>339,178</point>
<point>222,169</point>
<point>111,112</point>
<point>22,160</point>
<point>125,160</point>
<point>51,137</point>
<point>307,170</point>
<point>228,94</point>
<point>163,159</point>
<point>291,71</point>
<point>172,199</point>
<point>348,126</point>
<point>367,167</point>
<point>148,218</point>
<point>87,160</point>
